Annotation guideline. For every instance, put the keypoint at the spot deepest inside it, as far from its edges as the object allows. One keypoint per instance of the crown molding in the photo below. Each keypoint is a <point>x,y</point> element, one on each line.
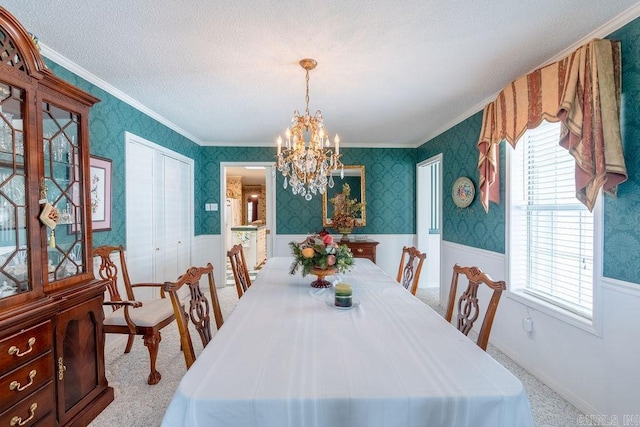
<point>346,145</point>
<point>609,27</point>
<point>602,31</point>
<point>112,90</point>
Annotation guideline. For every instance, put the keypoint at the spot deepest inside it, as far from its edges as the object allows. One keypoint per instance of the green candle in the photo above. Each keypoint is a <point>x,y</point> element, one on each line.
<point>343,289</point>
<point>343,295</point>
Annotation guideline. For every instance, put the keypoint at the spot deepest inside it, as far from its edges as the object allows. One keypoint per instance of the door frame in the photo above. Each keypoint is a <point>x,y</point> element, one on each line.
<point>423,213</point>
<point>270,194</point>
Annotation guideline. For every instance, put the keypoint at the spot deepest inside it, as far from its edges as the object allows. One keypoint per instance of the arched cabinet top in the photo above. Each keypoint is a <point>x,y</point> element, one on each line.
<point>17,48</point>
<point>20,56</point>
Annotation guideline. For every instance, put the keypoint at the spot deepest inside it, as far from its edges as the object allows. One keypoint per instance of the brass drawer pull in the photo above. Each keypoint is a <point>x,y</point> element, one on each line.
<point>61,369</point>
<point>13,350</point>
<point>17,421</point>
<point>15,385</point>
<point>360,250</point>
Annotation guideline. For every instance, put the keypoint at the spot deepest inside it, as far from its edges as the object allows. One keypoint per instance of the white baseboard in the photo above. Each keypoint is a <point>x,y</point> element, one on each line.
<point>549,381</point>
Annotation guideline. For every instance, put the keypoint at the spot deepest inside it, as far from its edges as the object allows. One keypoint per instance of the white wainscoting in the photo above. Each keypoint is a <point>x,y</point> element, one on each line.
<point>206,248</point>
<point>388,252</point>
<point>596,373</point>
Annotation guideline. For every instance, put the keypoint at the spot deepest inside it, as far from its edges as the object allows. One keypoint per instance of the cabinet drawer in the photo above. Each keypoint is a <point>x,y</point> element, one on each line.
<point>363,251</point>
<point>47,421</point>
<point>32,408</point>
<point>25,345</point>
<point>21,382</point>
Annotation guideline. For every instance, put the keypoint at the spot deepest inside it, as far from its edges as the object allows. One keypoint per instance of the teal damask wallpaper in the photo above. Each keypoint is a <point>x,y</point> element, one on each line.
<point>390,189</point>
<point>390,176</point>
<point>472,227</point>
<point>622,214</point>
<point>469,226</point>
<point>109,119</point>
<point>390,173</point>
<point>207,179</point>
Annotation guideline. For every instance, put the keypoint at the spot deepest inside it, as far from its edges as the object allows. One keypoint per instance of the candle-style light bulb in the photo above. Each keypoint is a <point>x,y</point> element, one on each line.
<point>279,144</point>
<point>288,135</point>
<point>337,141</point>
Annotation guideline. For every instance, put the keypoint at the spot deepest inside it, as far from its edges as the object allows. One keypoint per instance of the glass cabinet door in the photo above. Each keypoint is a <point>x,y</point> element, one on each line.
<point>14,262</point>
<point>63,186</point>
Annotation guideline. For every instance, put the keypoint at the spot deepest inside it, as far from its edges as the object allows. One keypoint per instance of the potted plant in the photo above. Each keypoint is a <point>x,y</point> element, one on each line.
<point>345,212</point>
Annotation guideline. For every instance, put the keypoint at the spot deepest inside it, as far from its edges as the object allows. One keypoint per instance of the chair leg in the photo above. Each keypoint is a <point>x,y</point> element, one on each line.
<point>127,349</point>
<point>153,342</point>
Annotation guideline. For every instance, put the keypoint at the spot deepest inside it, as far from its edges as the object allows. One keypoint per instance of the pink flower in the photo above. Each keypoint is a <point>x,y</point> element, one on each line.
<point>331,260</point>
<point>327,239</point>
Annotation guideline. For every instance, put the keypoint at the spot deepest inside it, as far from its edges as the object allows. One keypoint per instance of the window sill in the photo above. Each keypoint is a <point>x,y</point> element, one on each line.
<point>528,300</point>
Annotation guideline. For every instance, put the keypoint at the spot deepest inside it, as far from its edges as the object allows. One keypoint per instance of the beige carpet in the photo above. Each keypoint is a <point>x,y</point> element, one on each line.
<point>138,404</point>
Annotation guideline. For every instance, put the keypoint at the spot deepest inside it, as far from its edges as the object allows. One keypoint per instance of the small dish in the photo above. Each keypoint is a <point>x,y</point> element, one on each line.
<point>331,303</point>
<point>463,192</point>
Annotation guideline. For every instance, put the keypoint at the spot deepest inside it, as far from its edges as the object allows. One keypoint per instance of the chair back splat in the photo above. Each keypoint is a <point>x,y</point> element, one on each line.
<point>409,271</point>
<point>467,304</point>
<point>199,308</point>
<point>239,268</point>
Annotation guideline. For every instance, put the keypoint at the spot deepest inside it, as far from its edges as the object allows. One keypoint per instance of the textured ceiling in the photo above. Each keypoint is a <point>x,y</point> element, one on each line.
<point>390,73</point>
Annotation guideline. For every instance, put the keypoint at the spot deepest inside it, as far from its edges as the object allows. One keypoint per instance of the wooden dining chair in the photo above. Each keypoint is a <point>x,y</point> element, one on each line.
<point>130,316</point>
<point>239,268</point>
<point>199,308</point>
<point>409,271</point>
<point>468,305</point>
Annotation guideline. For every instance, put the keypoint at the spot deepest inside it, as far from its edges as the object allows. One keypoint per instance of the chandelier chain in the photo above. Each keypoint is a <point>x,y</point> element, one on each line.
<point>307,97</point>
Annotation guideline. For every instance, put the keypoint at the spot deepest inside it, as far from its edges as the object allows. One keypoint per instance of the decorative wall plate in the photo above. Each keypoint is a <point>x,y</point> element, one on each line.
<point>463,192</point>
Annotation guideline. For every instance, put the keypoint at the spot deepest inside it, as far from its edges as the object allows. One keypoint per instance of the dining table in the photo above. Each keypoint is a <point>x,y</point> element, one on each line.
<point>288,356</point>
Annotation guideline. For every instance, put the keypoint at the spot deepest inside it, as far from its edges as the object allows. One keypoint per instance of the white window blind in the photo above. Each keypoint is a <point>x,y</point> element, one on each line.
<point>552,232</point>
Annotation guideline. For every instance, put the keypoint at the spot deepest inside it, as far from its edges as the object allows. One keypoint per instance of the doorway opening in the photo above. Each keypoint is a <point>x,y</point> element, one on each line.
<point>247,213</point>
<point>429,222</point>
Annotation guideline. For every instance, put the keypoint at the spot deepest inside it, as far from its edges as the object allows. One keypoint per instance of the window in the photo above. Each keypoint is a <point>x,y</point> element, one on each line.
<point>551,232</point>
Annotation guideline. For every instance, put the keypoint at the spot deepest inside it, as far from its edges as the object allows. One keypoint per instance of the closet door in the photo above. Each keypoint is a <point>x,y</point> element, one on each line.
<point>184,219</point>
<point>159,213</point>
<point>173,206</point>
<point>140,249</point>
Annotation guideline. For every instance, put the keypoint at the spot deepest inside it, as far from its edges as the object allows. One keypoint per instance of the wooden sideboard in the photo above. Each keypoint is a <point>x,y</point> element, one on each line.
<point>362,248</point>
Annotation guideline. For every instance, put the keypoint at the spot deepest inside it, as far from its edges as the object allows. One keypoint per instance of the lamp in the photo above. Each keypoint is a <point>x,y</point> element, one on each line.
<point>308,164</point>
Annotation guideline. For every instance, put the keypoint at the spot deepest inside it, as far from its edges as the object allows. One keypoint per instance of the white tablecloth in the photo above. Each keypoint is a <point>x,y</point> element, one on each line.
<point>285,357</point>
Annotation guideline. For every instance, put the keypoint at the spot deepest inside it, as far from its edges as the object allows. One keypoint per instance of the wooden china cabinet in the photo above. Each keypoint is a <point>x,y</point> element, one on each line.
<point>51,339</point>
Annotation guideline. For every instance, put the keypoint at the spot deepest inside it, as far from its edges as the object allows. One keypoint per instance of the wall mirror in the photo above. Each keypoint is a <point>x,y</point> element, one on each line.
<point>354,176</point>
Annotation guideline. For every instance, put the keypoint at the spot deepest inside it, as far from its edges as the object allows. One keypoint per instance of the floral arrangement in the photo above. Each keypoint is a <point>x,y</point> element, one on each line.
<point>345,210</point>
<point>320,251</point>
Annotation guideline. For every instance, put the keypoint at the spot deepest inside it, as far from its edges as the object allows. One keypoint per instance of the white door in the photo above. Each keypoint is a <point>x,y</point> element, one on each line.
<point>140,249</point>
<point>172,252</point>
<point>159,212</point>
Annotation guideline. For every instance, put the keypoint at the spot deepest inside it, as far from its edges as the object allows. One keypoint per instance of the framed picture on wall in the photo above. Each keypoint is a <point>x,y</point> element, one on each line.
<point>100,192</point>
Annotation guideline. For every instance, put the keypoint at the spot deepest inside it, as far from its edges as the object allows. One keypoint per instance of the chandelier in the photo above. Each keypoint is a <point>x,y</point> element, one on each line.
<point>307,164</point>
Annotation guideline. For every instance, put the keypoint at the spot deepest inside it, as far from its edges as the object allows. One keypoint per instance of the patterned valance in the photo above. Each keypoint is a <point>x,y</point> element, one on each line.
<point>583,92</point>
